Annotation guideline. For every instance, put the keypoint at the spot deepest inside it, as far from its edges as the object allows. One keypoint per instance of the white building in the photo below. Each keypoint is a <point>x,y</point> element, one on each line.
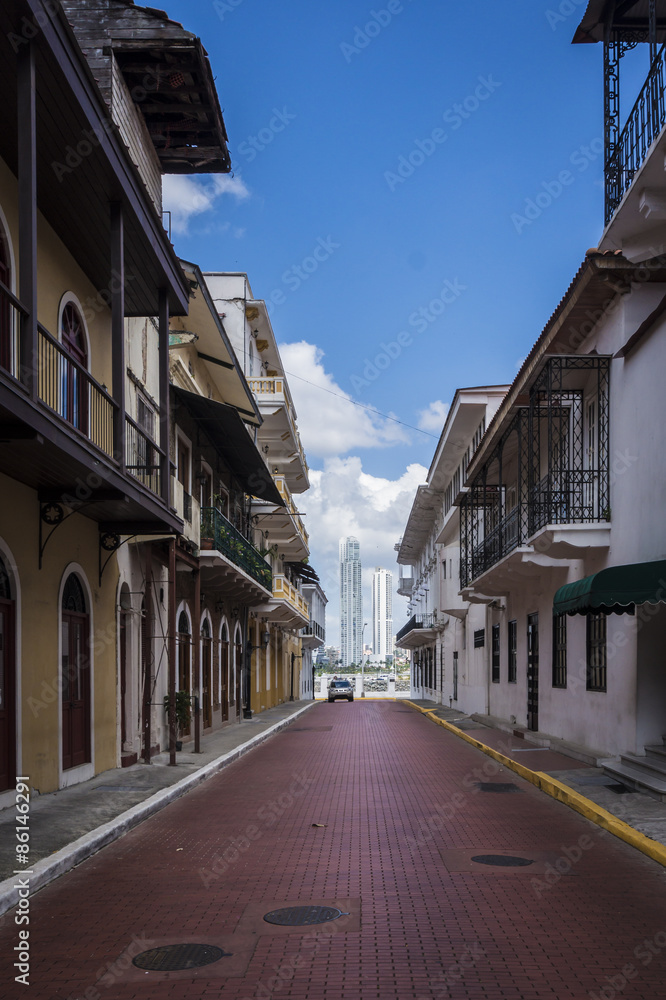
<point>313,636</point>
<point>351,602</point>
<point>279,533</point>
<point>562,526</point>
<point>447,665</point>
<point>382,613</point>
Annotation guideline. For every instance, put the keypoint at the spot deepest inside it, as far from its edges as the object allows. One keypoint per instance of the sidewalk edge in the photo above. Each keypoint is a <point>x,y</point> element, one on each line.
<point>558,790</point>
<point>73,854</point>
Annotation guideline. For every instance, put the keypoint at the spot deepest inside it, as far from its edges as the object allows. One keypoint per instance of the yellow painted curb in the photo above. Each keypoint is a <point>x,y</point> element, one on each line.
<point>590,810</point>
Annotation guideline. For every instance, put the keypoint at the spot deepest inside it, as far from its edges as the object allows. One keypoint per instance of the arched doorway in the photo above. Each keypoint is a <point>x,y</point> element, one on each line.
<point>224,672</point>
<point>73,385</point>
<point>75,675</point>
<point>184,641</point>
<point>207,673</point>
<point>7,682</point>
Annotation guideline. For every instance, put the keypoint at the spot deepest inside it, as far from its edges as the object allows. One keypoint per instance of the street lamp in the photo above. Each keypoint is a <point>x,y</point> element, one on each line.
<point>363,662</point>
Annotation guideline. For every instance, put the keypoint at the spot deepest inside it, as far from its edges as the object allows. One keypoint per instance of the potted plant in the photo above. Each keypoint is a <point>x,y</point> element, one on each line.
<point>183,705</point>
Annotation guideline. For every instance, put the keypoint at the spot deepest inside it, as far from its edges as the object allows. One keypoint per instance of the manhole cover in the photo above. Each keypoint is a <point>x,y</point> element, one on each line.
<point>172,957</point>
<point>502,860</point>
<point>497,786</point>
<point>300,916</point>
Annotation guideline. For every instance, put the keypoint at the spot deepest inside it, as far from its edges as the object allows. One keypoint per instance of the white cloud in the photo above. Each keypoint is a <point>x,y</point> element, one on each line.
<point>344,500</point>
<point>186,198</point>
<point>331,424</point>
<point>433,417</point>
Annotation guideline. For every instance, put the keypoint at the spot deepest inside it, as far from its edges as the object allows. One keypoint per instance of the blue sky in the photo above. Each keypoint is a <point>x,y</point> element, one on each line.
<point>449,244</point>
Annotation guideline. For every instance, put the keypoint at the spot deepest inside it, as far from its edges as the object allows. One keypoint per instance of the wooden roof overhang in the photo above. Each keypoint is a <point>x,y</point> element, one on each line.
<point>623,17</point>
<point>182,113</point>
<point>82,165</point>
<point>168,74</point>
<point>591,295</point>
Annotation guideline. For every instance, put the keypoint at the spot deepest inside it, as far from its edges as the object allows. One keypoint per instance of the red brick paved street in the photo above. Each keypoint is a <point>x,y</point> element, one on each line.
<point>403,816</point>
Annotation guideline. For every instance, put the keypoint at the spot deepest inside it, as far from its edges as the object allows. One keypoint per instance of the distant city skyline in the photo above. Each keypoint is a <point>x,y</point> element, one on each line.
<point>351,601</point>
<point>382,612</point>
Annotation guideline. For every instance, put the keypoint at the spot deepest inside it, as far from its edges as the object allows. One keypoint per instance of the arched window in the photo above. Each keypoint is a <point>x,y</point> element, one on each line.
<point>73,383</point>
<point>7,683</point>
<point>75,675</point>
<point>184,623</point>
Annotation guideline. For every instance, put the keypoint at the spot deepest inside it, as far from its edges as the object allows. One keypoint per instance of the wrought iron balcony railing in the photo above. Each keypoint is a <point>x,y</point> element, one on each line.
<point>645,122</point>
<point>415,622</point>
<point>570,496</point>
<point>143,456</point>
<point>229,541</point>
<point>315,629</point>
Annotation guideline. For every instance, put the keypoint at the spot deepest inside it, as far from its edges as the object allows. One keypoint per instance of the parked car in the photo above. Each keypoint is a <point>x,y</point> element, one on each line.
<point>340,689</point>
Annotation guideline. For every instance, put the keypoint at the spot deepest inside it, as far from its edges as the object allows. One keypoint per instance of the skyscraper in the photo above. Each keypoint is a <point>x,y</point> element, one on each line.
<point>382,613</point>
<point>351,602</point>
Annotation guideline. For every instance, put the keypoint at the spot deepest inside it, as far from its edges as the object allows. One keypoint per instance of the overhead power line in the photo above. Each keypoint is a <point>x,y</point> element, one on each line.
<point>363,406</point>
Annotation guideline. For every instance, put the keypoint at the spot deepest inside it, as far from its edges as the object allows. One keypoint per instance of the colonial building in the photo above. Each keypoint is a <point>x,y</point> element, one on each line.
<point>84,457</point>
<point>313,636</point>
<point>562,532</point>
<point>444,633</point>
<point>277,526</point>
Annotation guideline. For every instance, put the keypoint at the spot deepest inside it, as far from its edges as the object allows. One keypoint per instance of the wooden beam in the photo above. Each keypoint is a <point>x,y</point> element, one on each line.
<point>118,331</point>
<point>27,205</point>
<point>165,402</point>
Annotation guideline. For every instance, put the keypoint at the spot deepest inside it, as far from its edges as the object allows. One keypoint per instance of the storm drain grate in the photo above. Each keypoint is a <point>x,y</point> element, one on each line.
<point>497,786</point>
<point>173,957</point>
<point>502,860</point>
<point>301,916</point>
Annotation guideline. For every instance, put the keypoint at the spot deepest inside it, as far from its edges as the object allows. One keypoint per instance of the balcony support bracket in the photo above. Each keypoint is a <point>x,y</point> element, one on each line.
<point>109,542</point>
<point>52,514</point>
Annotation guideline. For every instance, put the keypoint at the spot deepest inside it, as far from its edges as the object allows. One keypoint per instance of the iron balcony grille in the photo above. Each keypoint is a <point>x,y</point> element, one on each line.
<point>315,629</point>
<point>229,541</point>
<point>647,119</point>
<point>416,621</point>
<point>554,456</point>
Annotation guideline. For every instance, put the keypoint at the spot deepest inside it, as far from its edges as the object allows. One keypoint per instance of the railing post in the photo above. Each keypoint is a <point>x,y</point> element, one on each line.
<point>118,332</point>
<point>27,204</point>
<point>165,403</point>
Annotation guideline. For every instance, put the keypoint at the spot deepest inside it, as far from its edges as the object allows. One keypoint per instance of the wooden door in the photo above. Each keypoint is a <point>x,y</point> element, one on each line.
<point>239,671</point>
<point>224,679</point>
<point>7,696</point>
<point>75,690</point>
<point>533,672</point>
<point>207,681</point>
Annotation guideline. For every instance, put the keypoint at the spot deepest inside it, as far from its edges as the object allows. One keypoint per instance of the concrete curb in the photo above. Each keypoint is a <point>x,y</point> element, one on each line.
<point>590,810</point>
<point>73,854</point>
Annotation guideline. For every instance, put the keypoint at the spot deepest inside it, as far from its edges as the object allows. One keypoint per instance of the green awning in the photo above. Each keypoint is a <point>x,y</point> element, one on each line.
<point>615,590</point>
